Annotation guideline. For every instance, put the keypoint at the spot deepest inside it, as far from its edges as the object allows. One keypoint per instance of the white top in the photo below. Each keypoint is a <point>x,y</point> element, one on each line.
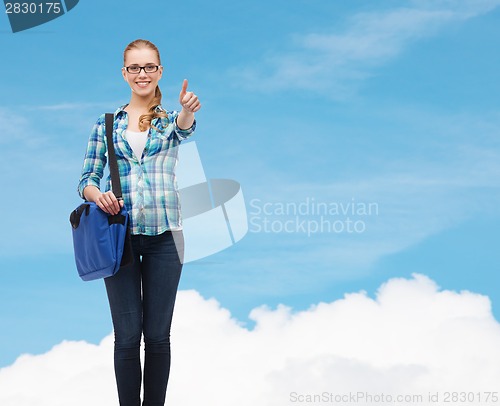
<point>137,141</point>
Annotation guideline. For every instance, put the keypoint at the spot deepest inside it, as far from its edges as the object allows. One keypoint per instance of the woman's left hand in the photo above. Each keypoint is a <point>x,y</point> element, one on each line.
<point>188,100</point>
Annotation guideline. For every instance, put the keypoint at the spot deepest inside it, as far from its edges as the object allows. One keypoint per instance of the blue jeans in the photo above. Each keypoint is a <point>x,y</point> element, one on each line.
<point>141,298</point>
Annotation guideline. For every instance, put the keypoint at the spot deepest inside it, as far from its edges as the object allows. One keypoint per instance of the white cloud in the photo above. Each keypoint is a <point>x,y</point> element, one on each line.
<point>78,106</point>
<point>336,62</point>
<point>72,373</point>
<point>411,339</point>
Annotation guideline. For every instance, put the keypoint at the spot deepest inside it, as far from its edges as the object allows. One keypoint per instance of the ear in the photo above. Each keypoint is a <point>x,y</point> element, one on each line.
<point>160,72</point>
<point>124,74</point>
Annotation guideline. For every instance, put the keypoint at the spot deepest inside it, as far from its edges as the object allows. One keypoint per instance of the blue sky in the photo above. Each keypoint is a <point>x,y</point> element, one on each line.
<point>394,103</point>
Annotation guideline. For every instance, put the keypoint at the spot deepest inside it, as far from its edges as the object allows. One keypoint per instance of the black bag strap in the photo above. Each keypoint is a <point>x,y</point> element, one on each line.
<point>113,163</point>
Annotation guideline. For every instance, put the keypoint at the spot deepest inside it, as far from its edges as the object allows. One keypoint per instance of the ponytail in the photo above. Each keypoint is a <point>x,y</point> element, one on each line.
<point>145,119</point>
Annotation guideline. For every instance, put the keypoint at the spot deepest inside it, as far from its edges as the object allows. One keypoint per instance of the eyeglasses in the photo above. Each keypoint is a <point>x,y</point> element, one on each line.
<point>137,69</point>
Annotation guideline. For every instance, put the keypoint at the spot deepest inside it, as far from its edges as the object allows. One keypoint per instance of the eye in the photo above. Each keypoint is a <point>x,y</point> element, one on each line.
<point>150,68</point>
<point>133,69</point>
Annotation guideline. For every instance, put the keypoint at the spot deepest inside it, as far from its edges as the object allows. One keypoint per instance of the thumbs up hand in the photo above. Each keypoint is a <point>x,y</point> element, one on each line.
<point>188,100</point>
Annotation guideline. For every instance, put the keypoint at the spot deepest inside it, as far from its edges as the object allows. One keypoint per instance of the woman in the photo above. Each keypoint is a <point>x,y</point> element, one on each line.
<point>142,296</point>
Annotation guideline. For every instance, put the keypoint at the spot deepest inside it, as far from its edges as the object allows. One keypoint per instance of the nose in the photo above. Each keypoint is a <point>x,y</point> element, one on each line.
<point>142,72</point>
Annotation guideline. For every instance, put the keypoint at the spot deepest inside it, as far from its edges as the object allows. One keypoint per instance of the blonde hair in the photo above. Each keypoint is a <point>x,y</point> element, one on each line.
<point>145,119</point>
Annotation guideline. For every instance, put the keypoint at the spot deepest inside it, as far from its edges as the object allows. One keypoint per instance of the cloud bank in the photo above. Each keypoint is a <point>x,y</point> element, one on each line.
<point>410,340</point>
<point>336,63</point>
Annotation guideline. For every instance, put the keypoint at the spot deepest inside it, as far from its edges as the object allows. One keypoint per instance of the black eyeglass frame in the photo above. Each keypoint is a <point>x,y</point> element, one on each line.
<point>127,68</point>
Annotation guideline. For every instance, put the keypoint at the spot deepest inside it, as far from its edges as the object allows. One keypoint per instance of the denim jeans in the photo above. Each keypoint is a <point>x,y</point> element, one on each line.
<point>141,298</point>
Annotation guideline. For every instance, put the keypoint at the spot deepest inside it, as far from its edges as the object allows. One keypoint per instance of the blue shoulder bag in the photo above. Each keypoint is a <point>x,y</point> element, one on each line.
<point>101,241</point>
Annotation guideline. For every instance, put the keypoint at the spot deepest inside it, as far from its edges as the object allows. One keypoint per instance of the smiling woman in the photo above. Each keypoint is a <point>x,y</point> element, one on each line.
<point>142,296</point>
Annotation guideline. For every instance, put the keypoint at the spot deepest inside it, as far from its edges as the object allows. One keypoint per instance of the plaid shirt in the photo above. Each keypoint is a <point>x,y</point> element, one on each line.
<point>149,185</point>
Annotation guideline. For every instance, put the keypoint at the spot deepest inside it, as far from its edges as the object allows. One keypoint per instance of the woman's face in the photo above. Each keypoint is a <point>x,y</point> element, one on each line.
<point>142,83</point>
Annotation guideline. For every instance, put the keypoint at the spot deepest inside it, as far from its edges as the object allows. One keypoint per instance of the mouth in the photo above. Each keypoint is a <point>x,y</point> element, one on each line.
<point>143,84</point>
